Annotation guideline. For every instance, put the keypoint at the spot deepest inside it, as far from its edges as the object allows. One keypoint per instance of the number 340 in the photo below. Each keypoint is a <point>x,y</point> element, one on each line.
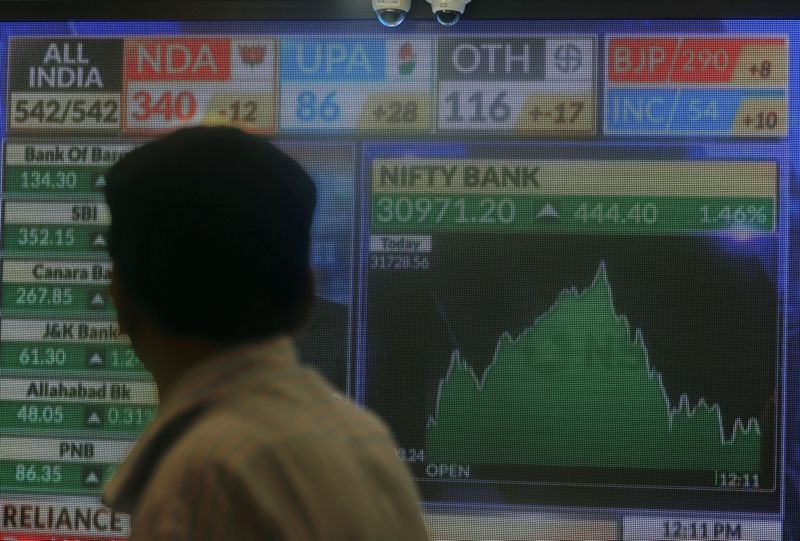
<point>181,106</point>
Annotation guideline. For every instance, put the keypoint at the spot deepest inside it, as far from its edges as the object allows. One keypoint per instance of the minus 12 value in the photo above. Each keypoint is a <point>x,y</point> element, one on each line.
<point>240,111</point>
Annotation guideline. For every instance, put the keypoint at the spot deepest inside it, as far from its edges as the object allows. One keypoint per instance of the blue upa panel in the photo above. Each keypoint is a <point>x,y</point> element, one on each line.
<point>333,59</point>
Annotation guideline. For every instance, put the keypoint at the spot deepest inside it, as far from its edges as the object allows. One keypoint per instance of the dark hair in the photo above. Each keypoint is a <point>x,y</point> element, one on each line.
<point>210,233</point>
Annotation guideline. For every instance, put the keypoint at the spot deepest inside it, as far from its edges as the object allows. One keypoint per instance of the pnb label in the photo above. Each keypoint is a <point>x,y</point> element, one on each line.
<point>71,450</point>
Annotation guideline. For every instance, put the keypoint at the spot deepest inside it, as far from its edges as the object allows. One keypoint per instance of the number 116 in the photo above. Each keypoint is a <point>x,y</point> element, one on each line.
<point>481,108</point>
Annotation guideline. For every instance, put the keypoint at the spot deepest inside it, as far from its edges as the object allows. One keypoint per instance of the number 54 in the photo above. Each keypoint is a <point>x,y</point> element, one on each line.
<point>699,110</point>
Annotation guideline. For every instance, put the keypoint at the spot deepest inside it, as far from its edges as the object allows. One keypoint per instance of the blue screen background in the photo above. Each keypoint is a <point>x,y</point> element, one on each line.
<point>787,151</point>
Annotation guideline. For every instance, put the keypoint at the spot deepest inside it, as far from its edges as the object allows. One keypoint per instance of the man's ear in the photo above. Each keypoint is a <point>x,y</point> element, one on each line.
<point>310,291</point>
<point>125,310</point>
<point>308,303</point>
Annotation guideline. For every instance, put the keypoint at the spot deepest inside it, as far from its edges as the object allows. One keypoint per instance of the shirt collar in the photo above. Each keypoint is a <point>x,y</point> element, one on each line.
<point>215,375</point>
<point>208,381</point>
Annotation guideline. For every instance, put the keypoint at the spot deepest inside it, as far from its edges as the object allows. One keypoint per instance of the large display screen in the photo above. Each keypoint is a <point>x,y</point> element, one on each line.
<point>559,259</point>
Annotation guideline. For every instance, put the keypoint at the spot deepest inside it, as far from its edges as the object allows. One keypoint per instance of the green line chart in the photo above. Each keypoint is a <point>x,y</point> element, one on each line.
<point>576,389</point>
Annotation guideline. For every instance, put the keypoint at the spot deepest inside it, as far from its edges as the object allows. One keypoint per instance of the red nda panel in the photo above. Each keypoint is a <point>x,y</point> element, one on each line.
<point>679,60</point>
<point>178,59</point>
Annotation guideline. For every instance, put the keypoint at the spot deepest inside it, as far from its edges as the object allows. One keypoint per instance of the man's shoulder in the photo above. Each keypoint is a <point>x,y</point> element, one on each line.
<point>237,454</point>
<point>287,458</point>
<point>266,421</point>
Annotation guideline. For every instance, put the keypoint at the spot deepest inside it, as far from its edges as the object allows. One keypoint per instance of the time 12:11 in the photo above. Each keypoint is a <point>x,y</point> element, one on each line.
<point>726,479</point>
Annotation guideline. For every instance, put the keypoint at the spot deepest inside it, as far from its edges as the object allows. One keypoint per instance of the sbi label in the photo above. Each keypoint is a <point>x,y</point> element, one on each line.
<point>333,60</point>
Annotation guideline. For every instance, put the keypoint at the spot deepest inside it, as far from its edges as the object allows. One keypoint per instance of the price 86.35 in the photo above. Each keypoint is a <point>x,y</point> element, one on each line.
<point>37,473</point>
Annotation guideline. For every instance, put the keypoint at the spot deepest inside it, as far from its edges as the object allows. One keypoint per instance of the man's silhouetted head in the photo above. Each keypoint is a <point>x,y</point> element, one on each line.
<point>210,235</point>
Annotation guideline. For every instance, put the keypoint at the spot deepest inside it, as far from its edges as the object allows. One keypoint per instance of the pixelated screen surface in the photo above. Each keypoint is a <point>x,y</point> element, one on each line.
<point>559,259</point>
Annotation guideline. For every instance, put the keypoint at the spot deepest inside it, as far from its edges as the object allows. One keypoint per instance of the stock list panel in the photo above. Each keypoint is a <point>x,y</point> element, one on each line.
<point>74,395</point>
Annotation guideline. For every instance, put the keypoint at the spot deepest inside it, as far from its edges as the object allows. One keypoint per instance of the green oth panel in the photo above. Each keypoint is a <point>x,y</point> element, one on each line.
<point>577,390</point>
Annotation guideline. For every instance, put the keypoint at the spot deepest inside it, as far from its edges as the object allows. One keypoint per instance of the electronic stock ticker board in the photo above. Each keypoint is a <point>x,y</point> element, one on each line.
<point>465,113</point>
